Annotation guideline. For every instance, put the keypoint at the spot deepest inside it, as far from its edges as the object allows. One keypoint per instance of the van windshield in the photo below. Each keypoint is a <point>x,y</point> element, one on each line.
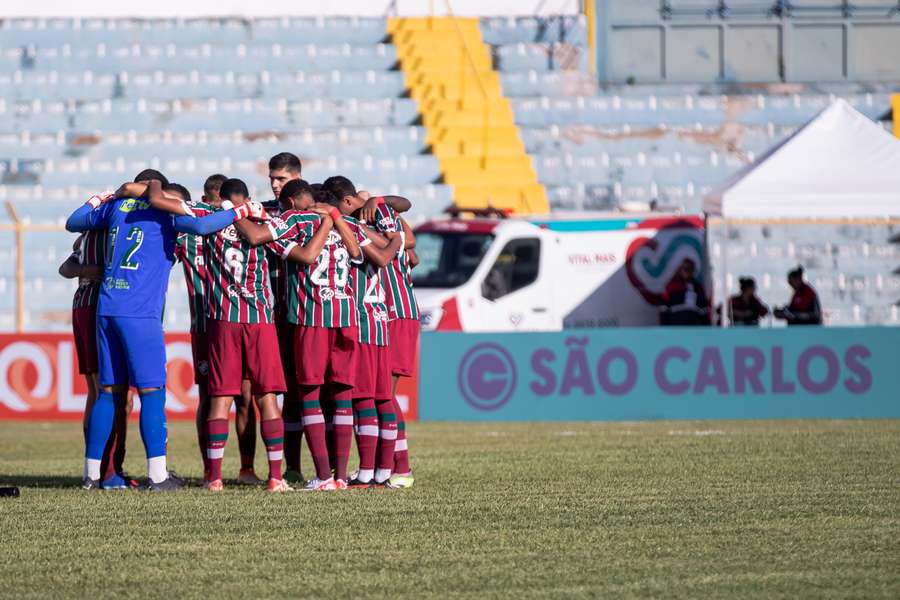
<point>448,259</point>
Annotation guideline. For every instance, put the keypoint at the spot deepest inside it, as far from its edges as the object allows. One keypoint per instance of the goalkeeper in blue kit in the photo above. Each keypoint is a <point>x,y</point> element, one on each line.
<point>131,349</point>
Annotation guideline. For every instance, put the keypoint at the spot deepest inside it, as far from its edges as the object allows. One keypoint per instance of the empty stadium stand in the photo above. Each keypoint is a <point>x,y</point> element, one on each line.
<point>86,103</point>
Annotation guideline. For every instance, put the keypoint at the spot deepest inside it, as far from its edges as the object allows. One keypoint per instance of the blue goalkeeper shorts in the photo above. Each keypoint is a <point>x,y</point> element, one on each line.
<point>131,351</point>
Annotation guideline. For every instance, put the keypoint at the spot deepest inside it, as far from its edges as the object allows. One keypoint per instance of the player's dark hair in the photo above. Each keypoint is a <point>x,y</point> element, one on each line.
<point>230,187</point>
<point>151,175</point>
<point>323,196</point>
<point>213,184</point>
<point>178,189</point>
<point>798,272</point>
<point>294,188</point>
<point>286,161</point>
<point>746,283</point>
<point>339,186</point>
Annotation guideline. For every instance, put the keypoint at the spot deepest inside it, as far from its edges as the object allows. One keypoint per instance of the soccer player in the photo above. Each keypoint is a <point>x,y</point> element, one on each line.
<point>322,308</point>
<point>284,170</point>
<point>86,263</point>
<point>373,375</point>
<point>404,324</point>
<point>242,339</point>
<point>130,345</point>
<point>190,252</point>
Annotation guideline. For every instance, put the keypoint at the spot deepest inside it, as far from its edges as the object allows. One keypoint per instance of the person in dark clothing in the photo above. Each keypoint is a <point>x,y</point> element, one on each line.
<point>684,299</point>
<point>804,308</point>
<point>746,308</point>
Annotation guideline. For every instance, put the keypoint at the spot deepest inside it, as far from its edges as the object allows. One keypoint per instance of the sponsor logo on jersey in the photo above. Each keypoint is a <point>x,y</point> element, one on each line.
<point>133,204</point>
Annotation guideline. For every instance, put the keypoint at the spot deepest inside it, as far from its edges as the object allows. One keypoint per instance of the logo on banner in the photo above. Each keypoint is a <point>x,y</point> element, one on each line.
<point>651,262</point>
<point>487,376</point>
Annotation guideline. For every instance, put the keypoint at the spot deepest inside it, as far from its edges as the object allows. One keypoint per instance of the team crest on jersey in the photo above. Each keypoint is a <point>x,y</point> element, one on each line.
<point>277,222</point>
<point>380,315</point>
<point>230,233</point>
<point>326,294</point>
<point>386,223</point>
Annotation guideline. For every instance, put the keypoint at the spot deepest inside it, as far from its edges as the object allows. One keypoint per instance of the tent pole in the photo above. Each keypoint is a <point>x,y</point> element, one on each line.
<point>726,318</point>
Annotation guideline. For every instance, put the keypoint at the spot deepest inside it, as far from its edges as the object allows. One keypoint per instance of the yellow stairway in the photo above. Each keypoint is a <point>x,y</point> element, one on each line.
<point>470,123</point>
<point>895,109</point>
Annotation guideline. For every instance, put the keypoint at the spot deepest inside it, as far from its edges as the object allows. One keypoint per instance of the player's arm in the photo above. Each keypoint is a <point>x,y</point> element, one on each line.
<point>413,258</point>
<point>256,233</point>
<point>93,214</point>
<point>164,202</point>
<point>309,252</point>
<point>382,248</point>
<point>348,236</point>
<point>210,223</point>
<point>70,267</point>
<point>369,211</point>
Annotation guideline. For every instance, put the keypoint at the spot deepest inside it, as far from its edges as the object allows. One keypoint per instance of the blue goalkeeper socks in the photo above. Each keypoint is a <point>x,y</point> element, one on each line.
<point>100,424</point>
<point>153,422</point>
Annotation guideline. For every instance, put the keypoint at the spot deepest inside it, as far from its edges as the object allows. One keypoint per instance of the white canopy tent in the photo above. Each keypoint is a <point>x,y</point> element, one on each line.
<point>839,165</point>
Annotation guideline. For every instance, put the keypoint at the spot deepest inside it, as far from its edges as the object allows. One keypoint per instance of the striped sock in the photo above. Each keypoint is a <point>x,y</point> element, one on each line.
<point>387,438</point>
<point>366,433</point>
<point>273,438</point>
<point>343,430</point>
<point>401,450</point>
<point>216,438</point>
<point>293,432</point>
<point>314,428</point>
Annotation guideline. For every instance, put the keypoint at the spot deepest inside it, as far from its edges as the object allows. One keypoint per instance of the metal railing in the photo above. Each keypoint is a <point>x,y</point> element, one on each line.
<point>19,229</point>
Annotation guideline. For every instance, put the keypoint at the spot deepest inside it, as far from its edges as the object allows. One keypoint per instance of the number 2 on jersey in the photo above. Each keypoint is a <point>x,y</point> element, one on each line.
<point>136,237</point>
<point>341,268</point>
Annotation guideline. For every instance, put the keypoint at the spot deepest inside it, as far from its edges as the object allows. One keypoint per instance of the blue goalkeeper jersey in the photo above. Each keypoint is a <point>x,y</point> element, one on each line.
<point>140,252</point>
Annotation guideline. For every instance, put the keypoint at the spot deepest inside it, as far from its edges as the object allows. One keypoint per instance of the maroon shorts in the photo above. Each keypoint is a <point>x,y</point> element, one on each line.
<point>373,373</point>
<point>84,326</point>
<point>243,350</point>
<point>200,352</point>
<point>326,354</point>
<point>404,336</point>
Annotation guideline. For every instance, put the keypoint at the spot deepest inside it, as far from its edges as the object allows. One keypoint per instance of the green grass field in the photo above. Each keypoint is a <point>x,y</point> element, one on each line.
<point>665,509</point>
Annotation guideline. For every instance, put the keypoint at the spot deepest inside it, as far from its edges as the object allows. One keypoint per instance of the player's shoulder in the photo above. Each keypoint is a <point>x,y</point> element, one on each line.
<point>386,218</point>
<point>201,208</point>
<point>299,216</point>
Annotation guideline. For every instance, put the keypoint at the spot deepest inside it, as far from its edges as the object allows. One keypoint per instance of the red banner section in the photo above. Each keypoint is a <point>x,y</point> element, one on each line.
<point>39,379</point>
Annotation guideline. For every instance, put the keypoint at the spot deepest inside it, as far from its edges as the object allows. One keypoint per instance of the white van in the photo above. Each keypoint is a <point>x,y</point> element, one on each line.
<point>549,274</point>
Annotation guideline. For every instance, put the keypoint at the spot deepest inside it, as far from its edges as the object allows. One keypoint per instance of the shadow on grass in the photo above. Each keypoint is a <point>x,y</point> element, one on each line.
<point>41,481</point>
